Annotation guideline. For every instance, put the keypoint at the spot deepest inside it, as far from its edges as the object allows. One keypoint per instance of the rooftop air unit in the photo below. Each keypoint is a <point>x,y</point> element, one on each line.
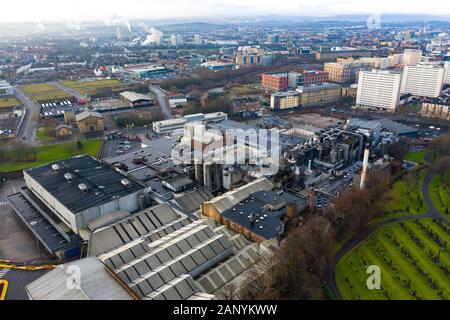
<point>68,177</point>
<point>125,182</point>
<point>55,167</point>
<point>83,187</point>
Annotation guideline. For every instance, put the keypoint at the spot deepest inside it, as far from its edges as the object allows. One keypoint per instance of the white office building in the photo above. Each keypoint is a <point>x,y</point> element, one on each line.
<point>379,90</point>
<point>423,80</point>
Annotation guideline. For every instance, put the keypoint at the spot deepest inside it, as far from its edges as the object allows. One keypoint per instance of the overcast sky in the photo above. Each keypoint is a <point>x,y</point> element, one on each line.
<point>81,10</point>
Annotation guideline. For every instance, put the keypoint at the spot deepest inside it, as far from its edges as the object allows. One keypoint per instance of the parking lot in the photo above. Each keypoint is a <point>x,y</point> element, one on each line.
<point>118,146</point>
<point>57,109</point>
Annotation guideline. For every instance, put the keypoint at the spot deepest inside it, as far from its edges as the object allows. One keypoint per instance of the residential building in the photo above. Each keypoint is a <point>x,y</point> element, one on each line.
<point>306,78</point>
<point>447,72</point>
<point>275,81</point>
<point>284,100</point>
<point>423,80</point>
<point>319,94</point>
<point>412,57</point>
<point>176,40</point>
<point>63,130</point>
<point>379,89</point>
<point>437,109</point>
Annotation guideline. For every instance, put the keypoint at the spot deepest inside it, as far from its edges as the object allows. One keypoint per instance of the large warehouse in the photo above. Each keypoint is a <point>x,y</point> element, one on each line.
<point>81,189</point>
<point>155,254</point>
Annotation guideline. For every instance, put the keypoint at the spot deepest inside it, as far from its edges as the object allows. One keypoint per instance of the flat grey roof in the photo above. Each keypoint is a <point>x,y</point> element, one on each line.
<point>103,182</point>
<point>271,221</point>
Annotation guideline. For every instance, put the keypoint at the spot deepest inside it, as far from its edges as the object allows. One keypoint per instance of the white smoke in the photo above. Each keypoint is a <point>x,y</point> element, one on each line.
<point>117,21</point>
<point>155,36</point>
<point>40,25</point>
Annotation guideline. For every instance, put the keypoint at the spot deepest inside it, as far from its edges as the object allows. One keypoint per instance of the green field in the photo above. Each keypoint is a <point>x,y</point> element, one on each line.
<point>413,257</point>
<point>440,193</point>
<point>417,157</point>
<point>38,88</point>
<point>9,103</point>
<point>51,153</point>
<point>41,92</point>
<point>90,87</point>
<point>406,196</point>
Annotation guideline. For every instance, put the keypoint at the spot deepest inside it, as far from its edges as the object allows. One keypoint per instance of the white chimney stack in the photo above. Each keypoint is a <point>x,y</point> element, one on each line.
<point>364,168</point>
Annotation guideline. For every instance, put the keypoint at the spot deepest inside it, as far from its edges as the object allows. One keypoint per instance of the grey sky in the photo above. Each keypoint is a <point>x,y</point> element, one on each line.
<point>81,10</point>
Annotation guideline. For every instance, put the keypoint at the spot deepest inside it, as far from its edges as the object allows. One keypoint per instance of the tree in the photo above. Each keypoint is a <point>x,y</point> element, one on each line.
<point>397,150</point>
<point>443,166</point>
<point>350,211</point>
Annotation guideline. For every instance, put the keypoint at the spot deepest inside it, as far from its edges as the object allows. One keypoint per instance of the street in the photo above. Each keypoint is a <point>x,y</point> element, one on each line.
<point>28,128</point>
<point>163,104</point>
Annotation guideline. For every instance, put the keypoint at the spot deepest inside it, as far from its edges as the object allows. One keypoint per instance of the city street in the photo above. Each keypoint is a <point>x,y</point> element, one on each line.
<point>28,128</point>
<point>162,100</point>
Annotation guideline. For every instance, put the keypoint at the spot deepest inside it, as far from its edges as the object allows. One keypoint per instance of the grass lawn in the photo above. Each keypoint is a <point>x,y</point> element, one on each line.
<point>42,135</point>
<point>399,199</point>
<point>9,103</point>
<point>41,92</point>
<point>440,193</point>
<point>90,87</point>
<point>417,157</point>
<point>51,153</point>
<point>38,88</point>
<point>410,269</point>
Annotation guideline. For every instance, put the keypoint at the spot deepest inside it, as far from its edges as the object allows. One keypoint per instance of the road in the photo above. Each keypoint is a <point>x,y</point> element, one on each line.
<point>28,128</point>
<point>368,231</point>
<point>162,100</point>
<point>72,92</point>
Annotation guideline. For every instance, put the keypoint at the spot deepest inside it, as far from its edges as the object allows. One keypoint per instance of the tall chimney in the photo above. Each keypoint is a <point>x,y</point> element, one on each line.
<point>364,168</point>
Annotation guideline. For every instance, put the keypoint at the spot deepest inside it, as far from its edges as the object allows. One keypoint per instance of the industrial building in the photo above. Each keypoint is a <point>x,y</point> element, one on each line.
<point>134,99</point>
<point>255,210</point>
<point>250,56</point>
<point>156,254</point>
<point>6,89</point>
<point>319,94</point>
<point>81,189</point>
<point>171,125</point>
<point>146,72</point>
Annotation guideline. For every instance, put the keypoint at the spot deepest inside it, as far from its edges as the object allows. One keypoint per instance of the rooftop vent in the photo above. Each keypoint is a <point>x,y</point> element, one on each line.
<point>125,182</point>
<point>55,167</point>
<point>83,187</point>
<point>68,177</point>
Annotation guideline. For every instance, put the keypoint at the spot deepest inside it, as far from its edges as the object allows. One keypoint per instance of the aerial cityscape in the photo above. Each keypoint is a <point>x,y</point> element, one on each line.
<point>225,151</point>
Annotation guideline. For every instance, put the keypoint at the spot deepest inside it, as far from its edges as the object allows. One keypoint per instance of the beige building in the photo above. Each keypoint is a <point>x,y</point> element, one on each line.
<point>436,110</point>
<point>343,72</point>
<point>90,121</point>
<point>351,91</point>
<point>284,100</point>
<point>319,95</point>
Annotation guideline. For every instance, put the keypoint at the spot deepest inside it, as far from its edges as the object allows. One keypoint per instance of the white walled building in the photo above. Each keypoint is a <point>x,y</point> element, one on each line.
<point>379,90</point>
<point>447,72</point>
<point>423,80</point>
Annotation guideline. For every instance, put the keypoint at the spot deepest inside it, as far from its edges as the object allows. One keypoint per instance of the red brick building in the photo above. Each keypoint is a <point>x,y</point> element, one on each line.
<point>314,77</point>
<point>275,81</point>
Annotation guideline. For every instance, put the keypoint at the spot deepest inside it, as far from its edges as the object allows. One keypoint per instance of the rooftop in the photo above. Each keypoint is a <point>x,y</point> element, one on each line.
<point>82,182</point>
<point>267,208</point>
<point>134,96</point>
